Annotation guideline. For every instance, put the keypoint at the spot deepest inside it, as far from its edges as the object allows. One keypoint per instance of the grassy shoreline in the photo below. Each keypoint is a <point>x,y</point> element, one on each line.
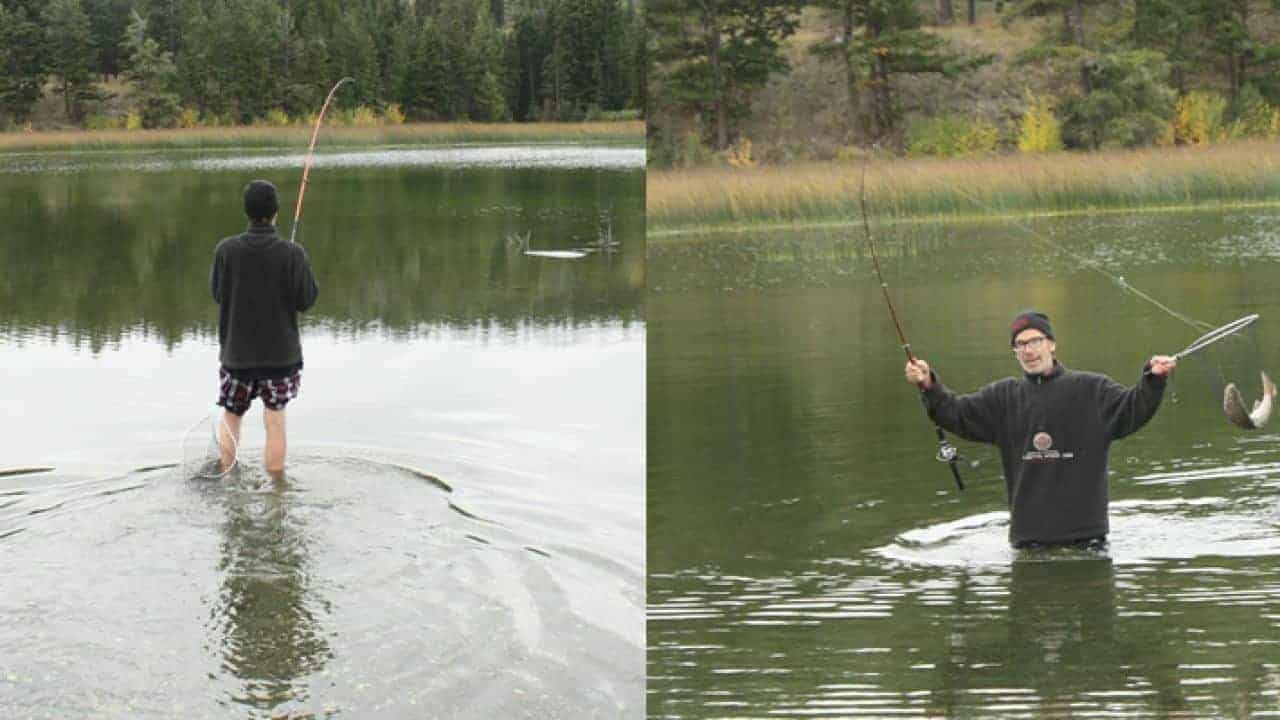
<point>688,202</point>
<point>294,136</point>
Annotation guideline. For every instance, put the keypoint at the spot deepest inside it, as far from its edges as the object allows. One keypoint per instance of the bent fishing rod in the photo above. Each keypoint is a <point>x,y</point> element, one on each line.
<point>947,452</point>
<point>306,168</point>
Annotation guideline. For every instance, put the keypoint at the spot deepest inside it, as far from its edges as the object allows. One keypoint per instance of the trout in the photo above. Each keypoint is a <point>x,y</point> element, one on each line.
<point>1233,405</point>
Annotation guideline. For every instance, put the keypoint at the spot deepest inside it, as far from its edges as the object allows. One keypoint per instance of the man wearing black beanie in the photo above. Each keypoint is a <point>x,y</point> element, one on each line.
<point>1054,428</point>
<point>260,282</point>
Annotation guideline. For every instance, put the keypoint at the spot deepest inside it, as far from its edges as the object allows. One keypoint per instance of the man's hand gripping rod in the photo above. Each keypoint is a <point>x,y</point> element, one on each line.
<point>947,452</point>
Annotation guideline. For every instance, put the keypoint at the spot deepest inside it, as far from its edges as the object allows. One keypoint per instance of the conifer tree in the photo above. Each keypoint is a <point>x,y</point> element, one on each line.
<point>151,71</point>
<point>71,56</point>
<point>24,61</point>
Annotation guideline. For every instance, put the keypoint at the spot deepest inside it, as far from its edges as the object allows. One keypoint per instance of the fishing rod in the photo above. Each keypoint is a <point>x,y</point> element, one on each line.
<point>306,168</point>
<point>947,452</point>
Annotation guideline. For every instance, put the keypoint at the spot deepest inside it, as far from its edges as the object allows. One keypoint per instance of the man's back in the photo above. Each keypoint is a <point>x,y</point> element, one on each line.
<point>260,282</point>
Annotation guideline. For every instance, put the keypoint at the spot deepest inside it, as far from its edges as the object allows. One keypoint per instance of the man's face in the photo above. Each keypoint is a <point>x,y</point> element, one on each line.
<point>1034,351</point>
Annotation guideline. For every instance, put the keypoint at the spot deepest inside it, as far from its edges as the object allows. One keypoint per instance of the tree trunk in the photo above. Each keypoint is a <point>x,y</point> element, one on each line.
<point>719,88</point>
<point>883,98</point>
<point>973,12</point>
<point>882,117</point>
<point>946,13</point>
<point>1073,22</point>
<point>850,62</point>
<point>1238,73</point>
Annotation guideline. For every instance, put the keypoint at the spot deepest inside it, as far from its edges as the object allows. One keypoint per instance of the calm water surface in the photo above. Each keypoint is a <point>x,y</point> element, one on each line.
<point>809,558</point>
<point>460,533</point>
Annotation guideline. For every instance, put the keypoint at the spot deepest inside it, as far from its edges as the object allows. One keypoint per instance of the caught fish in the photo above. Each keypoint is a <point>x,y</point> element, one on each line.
<point>1233,405</point>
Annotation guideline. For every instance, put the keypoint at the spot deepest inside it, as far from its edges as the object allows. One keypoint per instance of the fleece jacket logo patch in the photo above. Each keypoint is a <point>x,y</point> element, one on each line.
<point>1044,452</point>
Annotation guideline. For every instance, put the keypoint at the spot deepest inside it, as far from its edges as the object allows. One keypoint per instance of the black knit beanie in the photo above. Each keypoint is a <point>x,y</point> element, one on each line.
<point>1030,319</point>
<point>260,200</point>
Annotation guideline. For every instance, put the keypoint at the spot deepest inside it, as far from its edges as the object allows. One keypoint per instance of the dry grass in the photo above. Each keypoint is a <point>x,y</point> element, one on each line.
<point>293,136</point>
<point>683,200</point>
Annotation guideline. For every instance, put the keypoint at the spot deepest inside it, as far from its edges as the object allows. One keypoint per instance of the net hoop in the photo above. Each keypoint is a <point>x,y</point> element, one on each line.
<point>1217,334</point>
<point>197,465</point>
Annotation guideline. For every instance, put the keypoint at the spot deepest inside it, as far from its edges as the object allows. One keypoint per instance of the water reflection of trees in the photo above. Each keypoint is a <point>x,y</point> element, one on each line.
<point>99,255</point>
<point>265,621</point>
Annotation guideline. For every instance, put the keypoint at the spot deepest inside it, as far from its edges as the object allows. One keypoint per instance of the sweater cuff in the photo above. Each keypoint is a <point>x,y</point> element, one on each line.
<point>935,389</point>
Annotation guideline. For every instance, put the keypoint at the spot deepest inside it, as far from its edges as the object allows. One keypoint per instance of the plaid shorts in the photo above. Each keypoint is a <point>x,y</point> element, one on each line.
<point>236,394</point>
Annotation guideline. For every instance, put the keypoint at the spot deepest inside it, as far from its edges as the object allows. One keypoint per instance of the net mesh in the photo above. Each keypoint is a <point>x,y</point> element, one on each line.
<point>1233,359</point>
<point>202,449</point>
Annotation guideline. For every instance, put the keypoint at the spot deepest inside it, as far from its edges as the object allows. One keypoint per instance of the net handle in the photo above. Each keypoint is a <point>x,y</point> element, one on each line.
<point>1216,334</point>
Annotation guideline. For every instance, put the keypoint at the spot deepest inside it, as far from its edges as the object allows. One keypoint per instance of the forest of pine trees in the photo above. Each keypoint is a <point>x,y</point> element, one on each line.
<point>168,62</point>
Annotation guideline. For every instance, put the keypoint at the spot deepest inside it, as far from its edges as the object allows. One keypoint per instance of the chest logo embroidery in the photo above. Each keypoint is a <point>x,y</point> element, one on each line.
<point>1044,452</point>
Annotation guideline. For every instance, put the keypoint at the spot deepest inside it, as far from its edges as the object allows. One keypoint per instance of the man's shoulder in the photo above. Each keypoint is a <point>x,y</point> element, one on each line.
<point>227,243</point>
<point>1004,384</point>
<point>1085,376</point>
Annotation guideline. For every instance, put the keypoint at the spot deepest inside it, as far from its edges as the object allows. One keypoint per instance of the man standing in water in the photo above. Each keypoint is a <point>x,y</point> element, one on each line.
<point>1053,427</point>
<point>260,282</point>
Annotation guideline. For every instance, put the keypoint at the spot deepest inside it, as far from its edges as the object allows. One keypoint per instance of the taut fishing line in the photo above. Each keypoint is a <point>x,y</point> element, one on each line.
<point>1212,336</point>
<point>1091,264</point>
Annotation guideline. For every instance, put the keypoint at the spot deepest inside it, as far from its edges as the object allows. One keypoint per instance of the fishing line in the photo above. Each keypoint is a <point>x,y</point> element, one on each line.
<point>306,168</point>
<point>946,451</point>
<point>1091,264</point>
<point>1208,338</point>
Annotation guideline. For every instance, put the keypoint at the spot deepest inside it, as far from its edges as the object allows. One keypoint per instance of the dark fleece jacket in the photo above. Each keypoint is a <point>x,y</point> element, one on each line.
<point>1054,432</point>
<point>260,282</point>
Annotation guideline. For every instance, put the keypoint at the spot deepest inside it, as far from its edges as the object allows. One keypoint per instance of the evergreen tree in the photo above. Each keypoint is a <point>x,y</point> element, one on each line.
<point>1128,104</point>
<point>715,54</point>
<point>1071,12</point>
<point>1238,49</point>
<point>152,72</point>
<point>488,101</point>
<point>24,63</point>
<point>255,61</point>
<point>71,55</point>
<point>107,22</point>
<point>355,54</point>
<point>164,23</point>
<point>881,40</point>
<point>1170,27</point>
<point>425,92</point>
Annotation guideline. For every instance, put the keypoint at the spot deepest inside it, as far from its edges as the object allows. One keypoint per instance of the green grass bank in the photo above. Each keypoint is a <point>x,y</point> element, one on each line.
<point>299,135</point>
<point>686,202</point>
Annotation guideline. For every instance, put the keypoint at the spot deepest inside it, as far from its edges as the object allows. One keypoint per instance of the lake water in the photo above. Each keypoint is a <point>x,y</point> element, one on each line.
<point>808,557</point>
<point>460,531</point>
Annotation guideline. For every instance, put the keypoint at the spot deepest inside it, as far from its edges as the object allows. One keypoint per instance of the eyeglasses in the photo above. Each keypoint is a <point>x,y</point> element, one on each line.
<point>1032,343</point>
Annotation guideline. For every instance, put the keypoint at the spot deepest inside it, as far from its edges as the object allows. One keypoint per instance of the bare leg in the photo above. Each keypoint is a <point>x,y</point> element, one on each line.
<point>276,445</point>
<point>228,445</point>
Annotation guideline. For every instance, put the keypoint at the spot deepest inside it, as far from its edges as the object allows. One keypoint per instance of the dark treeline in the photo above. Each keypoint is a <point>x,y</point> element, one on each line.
<point>852,72</point>
<point>182,62</point>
